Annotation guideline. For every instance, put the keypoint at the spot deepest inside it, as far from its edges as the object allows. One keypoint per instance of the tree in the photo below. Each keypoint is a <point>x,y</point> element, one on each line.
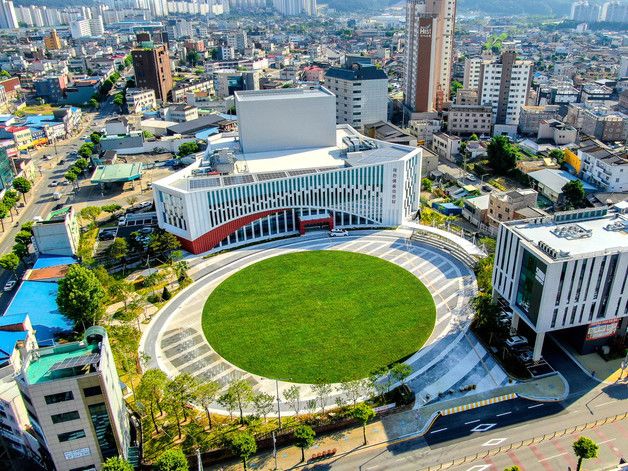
<point>375,381</point>
<point>243,395</point>
<point>512,468</point>
<point>487,316</point>
<point>131,200</point>
<point>399,372</point>
<point>165,294</point>
<point>426,184</point>
<point>181,390</point>
<point>118,100</point>
<point>304,437</point>
<point>151,392</point>
<point>172,460</point>
<point>23,237</point>
<point>93,103</point>
<point>502,155</point>
<point>95,137</point>
<point>119,249</point>
<point>80,295</point>
<point>117,463</point>
<point>181,270</point>
<point>22,185</point>
<point>474,137</point>
<point>86,150</point>
<point>322,392</point>
<point>71,175</point>
<point>243,445</point>
<point>263,403</point>
<point>228,401</point>
<point>363,413</point>
<point>353,390</point>
<point>585,449</point>
<point>111,208</point>
<point>163,243</point>
<point>10,262</point>
<point>206,395</point>
<point>558,155</point>
<point>188,148</point>
<point>147,134</point>
<point>193,57</point>
<point>455,86</point>
<point>20,250</point>
<point>574,194</point>
<point>292,395</point>
<point>91,213</point>
<point>4,212</point>
<point>9,200</point>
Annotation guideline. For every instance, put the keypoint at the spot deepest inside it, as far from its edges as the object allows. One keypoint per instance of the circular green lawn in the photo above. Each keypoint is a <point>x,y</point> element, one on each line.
<point>318,316</point>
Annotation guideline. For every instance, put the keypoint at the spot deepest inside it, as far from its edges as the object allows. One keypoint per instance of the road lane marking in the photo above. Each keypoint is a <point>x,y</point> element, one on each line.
<point>494,441</point>
<point>483,427</point>
<point>606,441</point>
<point>535,405</point>
<point>606,403</point>
<point>503,413</point>
<point>479,467</point>
<point>552,457</point>
<point>472,422</point>
<point>439,430</point>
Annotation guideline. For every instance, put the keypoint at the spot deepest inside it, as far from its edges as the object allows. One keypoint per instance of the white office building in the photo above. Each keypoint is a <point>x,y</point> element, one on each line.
<point>569,271</point>
<point>361,94</point>
<point>295,7</point>
<point>615,12</point>
<point>290,168</point>
<point>139,100</point>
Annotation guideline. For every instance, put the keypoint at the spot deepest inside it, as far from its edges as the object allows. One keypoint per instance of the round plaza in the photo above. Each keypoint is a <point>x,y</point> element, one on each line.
<point>319,329</point>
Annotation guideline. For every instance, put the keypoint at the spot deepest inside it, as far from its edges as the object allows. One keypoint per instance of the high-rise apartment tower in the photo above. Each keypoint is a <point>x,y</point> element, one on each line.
<point>429,49</point>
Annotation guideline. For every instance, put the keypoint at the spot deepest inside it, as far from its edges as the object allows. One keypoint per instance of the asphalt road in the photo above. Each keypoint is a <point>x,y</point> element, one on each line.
<point>498,425</point>
<point>42,193</point>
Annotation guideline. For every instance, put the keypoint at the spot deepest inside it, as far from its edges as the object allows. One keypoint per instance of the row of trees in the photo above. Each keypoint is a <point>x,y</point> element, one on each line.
<point>11,198</point>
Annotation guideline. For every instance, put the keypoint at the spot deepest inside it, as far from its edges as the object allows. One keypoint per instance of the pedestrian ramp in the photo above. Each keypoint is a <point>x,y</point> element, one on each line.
<point>475,405</point>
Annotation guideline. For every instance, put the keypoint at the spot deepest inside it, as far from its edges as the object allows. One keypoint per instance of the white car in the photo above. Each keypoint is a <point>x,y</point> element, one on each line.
<point>338,233</point>
<point>516,341</point>
<point>122,221</point>
<point>10,285</point>
<point>145,204</point>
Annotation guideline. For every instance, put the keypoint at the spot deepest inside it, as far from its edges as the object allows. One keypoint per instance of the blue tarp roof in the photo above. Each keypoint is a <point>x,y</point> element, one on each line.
<point>8,341</point>
<point>45,261</point>
<point>205,133</point>
<point>39,300</point>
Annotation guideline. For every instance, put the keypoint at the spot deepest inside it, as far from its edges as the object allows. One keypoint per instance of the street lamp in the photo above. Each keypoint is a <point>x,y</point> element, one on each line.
<point>278,402</point>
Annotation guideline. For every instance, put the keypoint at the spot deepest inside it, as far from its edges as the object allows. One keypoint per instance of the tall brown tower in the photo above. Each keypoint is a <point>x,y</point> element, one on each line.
<point>152,70</point>
<point>429,50</point>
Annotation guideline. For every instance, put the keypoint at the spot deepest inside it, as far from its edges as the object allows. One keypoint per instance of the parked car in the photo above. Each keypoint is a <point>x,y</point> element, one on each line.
<point>53,183</point>
<point>122,221</point>
<point>525,357</point>
<point>516,341</point>
<point>146,230</point>
<point>145,204</point>
<point>338,233</point>
<point>57,206</point>
<point>61,162</point>
<point>10,285</point>
<point>38,218</point>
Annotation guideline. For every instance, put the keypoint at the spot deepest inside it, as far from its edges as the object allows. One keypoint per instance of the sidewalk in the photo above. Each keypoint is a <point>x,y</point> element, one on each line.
<point>607,372</point>
<point>402,426</point>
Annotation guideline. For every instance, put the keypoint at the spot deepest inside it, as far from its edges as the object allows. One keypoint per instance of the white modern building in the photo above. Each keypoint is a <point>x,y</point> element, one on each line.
<point>504,85</point>
<point>603,167</point>
<point>58,234</point>
<point>73,391</point>
<point>568,271</point>
<point>140,99</point>
<point>615,12</point>
<point>289,168</point>
<point>361,94</point>
<point>295,7</point>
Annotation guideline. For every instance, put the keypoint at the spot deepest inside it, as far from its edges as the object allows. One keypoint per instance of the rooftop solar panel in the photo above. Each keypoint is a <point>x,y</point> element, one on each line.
<point>74,362</point>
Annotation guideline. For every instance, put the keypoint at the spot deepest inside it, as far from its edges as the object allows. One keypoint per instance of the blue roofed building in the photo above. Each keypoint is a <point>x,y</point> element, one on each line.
<point>37,297</point>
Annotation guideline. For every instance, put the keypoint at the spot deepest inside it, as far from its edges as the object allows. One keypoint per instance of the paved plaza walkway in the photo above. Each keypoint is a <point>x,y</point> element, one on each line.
<point>451,360</point>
